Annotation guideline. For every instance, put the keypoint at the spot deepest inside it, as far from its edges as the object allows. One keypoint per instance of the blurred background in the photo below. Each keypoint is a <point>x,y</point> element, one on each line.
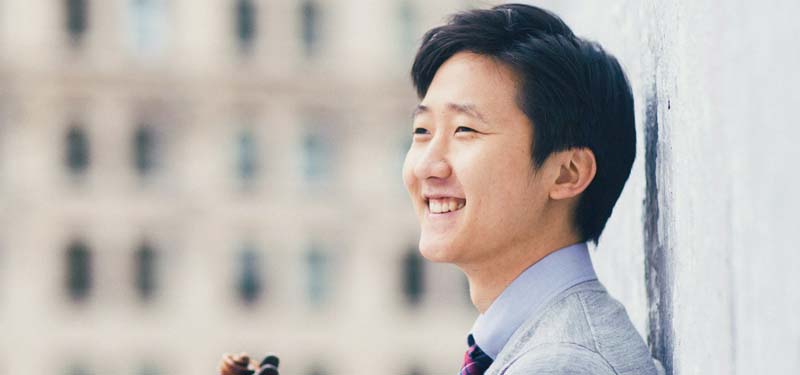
<point>185,178</point>
<point>180,179</point>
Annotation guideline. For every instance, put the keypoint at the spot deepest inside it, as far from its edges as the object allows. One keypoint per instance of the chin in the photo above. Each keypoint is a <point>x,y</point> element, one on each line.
<point>438,250</point>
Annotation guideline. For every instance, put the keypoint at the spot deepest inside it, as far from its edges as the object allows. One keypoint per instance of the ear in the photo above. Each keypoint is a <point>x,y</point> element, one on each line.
<point>577,168</point>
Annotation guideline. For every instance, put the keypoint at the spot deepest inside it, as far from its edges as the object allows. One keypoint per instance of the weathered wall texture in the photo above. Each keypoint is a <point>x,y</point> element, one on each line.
<point>708,217</point>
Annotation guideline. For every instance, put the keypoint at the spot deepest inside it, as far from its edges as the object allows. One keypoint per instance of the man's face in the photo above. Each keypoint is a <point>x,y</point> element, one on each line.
<point>469,169</point>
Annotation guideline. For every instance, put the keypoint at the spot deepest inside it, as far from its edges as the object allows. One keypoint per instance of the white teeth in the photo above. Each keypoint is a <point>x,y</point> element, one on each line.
<point>442,205</point>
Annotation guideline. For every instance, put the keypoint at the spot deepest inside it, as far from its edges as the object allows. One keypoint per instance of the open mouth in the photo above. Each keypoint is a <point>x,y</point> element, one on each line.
<point>445,205</point>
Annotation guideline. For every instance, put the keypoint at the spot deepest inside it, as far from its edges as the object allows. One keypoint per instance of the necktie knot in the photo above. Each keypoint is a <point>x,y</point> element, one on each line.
<point>475,360</point>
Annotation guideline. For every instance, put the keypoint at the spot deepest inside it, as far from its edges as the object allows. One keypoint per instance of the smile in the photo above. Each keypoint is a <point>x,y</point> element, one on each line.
<point>444,205</point>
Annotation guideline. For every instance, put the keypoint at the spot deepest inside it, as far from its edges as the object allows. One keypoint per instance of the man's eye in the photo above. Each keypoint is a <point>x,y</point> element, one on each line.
<point>464,129</point>
<point>420,131</point>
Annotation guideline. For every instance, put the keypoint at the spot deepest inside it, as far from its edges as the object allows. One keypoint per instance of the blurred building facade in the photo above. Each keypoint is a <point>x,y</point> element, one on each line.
<point>180,179</point>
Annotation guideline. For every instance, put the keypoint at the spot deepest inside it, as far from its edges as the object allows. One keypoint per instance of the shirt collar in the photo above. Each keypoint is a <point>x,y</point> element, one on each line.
<point>529,293</point>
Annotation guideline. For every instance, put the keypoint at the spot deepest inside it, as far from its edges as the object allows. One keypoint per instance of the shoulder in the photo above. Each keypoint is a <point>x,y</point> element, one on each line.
<point>584,327</point>
<point>560,358</point>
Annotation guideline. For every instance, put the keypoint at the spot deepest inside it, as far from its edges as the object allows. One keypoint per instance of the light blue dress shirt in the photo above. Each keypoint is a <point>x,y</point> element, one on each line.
<point>529,293</point>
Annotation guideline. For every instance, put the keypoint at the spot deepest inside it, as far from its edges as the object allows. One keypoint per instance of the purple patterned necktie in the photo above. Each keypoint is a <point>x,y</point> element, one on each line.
<point>475,360</point>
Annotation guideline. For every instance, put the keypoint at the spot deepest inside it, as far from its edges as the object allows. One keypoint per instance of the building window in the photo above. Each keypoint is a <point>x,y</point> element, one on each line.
<point>76,19</point>
<point>78,369</point>
<point>247,156</point>
<point>77,147</point>
<point>79,270</point>
<point>245,23</point>
<point>148,24</point>
<point>317,157</point>
<point>408,27</point>
<point>145,259</point>
<point>249,281</point>
<point>144,150</point>
<point>318,276</point>
<point>413,277</point>
<point>317,369</point>
<point>149,368</point>
<point>310,14</point>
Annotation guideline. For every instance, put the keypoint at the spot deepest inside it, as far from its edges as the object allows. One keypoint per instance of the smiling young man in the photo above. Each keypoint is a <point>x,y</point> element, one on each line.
<point>523,141</point>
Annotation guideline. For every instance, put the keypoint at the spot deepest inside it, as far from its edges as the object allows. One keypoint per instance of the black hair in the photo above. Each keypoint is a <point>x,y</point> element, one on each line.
<point>575,94</point>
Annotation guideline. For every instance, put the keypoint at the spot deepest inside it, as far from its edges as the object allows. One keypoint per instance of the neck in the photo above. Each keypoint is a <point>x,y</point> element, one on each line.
<point>488,278</point>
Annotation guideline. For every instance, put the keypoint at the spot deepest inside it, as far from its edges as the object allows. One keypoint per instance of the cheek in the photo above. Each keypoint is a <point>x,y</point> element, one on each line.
<point>499,186</point>
<point>409,179</point>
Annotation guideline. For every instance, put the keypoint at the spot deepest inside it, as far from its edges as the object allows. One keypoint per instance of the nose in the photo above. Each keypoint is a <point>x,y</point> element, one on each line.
<point>433,163</point>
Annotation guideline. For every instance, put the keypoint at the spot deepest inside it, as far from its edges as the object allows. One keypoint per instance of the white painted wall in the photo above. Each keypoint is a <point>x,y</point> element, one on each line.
<point>723,79</point>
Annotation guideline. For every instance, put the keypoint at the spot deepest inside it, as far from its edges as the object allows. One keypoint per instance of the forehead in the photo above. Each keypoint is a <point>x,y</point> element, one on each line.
<point>486,85</point>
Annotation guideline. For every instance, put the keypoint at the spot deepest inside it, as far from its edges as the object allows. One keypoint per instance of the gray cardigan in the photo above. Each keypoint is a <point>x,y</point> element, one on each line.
<point>583,330</point>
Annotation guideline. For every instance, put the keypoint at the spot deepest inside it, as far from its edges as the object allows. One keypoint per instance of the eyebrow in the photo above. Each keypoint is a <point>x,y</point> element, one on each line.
<point>464,108</point>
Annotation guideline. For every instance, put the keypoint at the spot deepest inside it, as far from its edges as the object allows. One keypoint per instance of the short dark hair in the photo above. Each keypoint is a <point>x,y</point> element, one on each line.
<point>574,93</point>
